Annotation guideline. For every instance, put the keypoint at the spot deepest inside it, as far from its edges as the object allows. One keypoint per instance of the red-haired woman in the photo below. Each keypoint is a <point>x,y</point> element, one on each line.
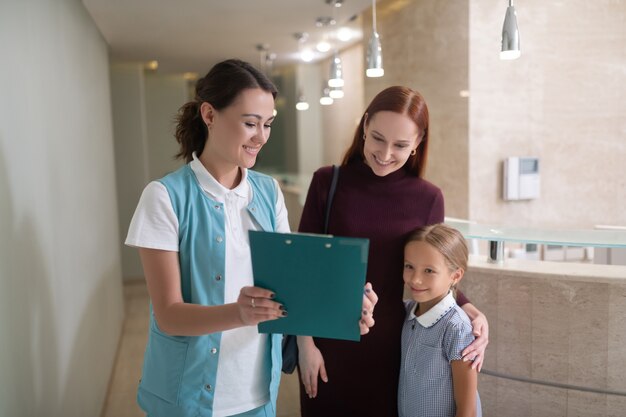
<point>381,195</point>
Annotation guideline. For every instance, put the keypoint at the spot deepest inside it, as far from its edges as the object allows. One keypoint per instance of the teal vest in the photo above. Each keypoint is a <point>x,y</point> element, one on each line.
<point>179,372</point>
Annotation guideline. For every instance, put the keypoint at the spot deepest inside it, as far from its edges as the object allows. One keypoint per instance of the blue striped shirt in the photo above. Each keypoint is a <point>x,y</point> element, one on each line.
<point>429,343</point>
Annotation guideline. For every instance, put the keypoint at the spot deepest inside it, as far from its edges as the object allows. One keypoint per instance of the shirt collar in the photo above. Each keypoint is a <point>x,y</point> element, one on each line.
<point>212,186</point>
<point>432,316</point>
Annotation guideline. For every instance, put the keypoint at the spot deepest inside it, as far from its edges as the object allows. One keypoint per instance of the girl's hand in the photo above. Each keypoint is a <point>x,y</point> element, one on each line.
<point>311,363</point>
<point>255,305</point>
<point>476,350</point>
<point>367,312</point>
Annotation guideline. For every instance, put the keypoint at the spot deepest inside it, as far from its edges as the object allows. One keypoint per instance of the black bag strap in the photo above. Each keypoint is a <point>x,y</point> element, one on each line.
<point>331,194</point>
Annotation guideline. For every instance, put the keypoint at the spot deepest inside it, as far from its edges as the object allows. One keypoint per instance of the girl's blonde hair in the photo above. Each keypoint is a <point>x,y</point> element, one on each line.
<point>447,240</point>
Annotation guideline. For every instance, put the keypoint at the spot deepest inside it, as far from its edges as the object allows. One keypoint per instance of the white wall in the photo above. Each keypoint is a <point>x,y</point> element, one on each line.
<point>61,305</point>
<point>131,144</point>
<point>165,94</point>
<point>144,109</point>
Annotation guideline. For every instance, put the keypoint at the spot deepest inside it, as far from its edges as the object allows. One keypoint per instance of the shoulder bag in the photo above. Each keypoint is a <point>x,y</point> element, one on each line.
<point>290,345</point>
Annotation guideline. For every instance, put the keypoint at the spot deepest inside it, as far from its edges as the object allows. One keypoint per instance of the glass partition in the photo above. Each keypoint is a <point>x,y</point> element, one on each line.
<point>497,235</point>
<point>591,237</point>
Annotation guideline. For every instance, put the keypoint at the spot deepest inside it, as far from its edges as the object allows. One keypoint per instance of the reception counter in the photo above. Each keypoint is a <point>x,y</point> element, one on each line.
<point>557,337</point>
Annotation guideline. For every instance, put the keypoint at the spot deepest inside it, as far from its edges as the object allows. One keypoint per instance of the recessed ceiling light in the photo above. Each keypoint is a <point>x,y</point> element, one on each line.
<point>323,46</point>
<point>306,55</point>
<point>344,34</point>
<point>324,21</point>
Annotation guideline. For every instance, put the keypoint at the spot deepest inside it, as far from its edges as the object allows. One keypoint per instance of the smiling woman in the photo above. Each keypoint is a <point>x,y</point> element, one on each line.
<point>236,133</point>
<point>380,195</point>
<point>390,139</point>
<point>204,355</point>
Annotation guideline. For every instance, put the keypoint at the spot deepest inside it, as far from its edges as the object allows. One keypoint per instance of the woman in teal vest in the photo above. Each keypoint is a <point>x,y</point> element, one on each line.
<point>204,356</point>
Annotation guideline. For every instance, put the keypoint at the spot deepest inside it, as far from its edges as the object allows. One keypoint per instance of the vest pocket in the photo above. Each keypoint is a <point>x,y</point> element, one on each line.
<point>164,364</point>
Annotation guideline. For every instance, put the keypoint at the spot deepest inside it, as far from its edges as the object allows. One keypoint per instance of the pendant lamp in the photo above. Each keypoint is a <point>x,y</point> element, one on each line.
<point>374,50</point>
<point>336,72</point>
<point>302,104</point>
<point>510,35</point>
<point>335,93</point>
<point>326,100</point>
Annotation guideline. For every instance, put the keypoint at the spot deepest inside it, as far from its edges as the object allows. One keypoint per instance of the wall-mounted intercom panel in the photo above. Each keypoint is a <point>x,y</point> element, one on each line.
<point>520,179</point>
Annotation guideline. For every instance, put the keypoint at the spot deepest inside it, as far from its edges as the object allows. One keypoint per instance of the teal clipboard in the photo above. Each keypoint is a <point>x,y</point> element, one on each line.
<point>318,278</point>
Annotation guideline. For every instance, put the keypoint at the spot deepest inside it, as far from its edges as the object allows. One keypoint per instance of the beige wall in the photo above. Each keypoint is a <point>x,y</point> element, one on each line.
<point>562,101</point>
<point>61,306</point>
<point>425,47</point>
<point>340,119</point>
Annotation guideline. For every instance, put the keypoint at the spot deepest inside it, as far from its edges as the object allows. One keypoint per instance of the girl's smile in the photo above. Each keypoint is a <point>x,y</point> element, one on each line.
<point>426,274</point>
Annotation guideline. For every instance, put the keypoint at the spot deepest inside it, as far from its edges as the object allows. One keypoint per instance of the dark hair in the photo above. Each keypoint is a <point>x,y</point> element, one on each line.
<point>402,100</point>
<point>219,87</point>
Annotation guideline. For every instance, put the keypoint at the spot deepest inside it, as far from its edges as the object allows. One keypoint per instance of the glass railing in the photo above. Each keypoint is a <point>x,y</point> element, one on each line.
<point>498,235</point>
<point>615,238</point>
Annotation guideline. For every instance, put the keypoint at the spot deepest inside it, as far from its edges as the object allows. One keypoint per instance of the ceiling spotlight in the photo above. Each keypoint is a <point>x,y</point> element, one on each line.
<point>152,65</point>
<point>336,3</point>
<point>301,36</point>
<point>307,55</point>
<point>324,21</point>
<point>323,46</point>
<point>344,34</point>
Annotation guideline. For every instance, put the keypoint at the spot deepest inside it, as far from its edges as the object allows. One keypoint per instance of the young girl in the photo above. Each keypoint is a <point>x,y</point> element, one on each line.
<point>434,380</point>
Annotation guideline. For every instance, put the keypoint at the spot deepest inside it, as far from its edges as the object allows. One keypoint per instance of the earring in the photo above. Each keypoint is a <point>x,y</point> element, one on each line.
<point>413,152</point>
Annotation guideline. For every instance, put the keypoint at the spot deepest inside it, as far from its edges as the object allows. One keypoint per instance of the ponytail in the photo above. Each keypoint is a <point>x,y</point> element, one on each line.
<point>191,132</point>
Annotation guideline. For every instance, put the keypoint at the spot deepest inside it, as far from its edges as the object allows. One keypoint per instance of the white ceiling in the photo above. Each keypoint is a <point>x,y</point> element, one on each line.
<point>192,35</point>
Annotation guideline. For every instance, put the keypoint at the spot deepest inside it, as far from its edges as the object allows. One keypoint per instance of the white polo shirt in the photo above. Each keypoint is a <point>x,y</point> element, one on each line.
<point>242,379</point>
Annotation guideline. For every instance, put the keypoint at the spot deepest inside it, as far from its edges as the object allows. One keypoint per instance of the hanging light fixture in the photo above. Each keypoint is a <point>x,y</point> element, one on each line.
<point>336,72</point>
<point>306,55</point>
<point>326,100</point>
<point>302,104</point>
<point>335,93</point>
<point>374,50</point>
<point>322,22</point>
<point>510,35</point>
<point>263,49</point>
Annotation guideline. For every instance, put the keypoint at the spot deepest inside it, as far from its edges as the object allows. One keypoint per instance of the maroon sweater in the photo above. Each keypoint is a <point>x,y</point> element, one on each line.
<point>363,376</point>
